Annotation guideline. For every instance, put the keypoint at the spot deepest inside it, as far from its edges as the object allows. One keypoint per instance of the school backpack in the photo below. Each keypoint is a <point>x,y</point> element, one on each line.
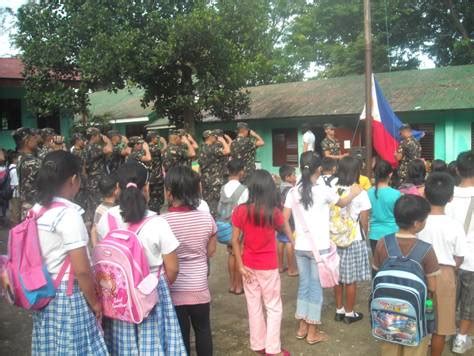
<point>342,227</point>
<point>6,191</point>
<point>328,180</point>
<point>224,213</point>
<point>25,280</point>
<point>399,292</point>
<point>127,289</point>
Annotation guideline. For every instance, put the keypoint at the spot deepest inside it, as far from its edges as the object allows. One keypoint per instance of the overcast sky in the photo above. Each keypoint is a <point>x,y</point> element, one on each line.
<point>7,50</point>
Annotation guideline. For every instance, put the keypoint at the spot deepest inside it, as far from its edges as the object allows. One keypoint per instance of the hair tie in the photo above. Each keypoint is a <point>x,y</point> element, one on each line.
<point>305,166</point>
<point>131,185</point>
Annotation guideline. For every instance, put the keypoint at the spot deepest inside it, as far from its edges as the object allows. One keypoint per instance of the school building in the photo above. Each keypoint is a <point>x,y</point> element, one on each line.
<point>13,109</point>
<point>438,101</point>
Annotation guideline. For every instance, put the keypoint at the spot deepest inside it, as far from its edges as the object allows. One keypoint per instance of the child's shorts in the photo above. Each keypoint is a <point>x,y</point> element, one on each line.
<point>466,295</point>
<point>445,301</point>
<point>281,237</point>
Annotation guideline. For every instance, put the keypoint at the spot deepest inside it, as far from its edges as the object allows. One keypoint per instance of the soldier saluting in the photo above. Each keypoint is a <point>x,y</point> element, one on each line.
<point>331,146</point>
<point>181,150</point>
<point>245,146</point>
<point>157,146</point>
<point>210,157</point>
<point>408,150</point>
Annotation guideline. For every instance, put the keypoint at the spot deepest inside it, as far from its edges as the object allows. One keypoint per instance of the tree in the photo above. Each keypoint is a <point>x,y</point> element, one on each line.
<point>190,57</point>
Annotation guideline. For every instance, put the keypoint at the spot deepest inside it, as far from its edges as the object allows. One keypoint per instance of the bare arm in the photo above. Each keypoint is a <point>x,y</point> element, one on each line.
<point>238,253</point>
<point>305,147</point>
<point>355,191</point>
<point>94,235</point>
<point>192,141</point>
<point>259,141</point>
<point>226,150</point>
<point>147,156</point>
<point>81,266</point>
<point>108,148</point>
<point>171,264</point>
<point>459,261</point>
<point>164,144</point>
<point>191,149</point>
<point>364,221</point>
<point>431,283</point>
<point>228,139</point>
<point>212,246</point>
<point>125,151</point>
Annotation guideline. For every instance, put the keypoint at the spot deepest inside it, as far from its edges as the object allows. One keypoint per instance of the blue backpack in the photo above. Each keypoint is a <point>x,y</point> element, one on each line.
<point>399,293</point>
<point>224,213</point>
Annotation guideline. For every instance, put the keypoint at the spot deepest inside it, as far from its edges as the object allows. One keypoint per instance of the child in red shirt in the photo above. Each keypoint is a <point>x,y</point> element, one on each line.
<point>256,221</point>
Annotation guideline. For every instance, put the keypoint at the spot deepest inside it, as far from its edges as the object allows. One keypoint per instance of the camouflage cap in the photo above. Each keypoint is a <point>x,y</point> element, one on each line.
<point>329,126</point>
<point>23,133</point>
<point>113,133</point>
<point>135,140</point>
<point>218,132</point>
<point>77,136</point>
<point>242,125</point>
<point>174,132</point>
<point>48,131</point>
<point>207,134</point>
<point>405,127</point>
<point>92,131</point>
<point>181,132</point>
<point>150,135</point>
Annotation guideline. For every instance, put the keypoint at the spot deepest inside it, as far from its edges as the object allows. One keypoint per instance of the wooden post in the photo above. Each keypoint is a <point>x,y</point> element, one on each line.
<point>368,86</point>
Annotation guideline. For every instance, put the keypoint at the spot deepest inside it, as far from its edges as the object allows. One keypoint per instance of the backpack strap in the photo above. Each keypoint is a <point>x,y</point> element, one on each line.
<point>392,247</point>
<point>136,227</point>
<point>60,276</point>
<point>237,194</point>
<point>419,251</point>
<point>467,221</point>
<point>112,222</point>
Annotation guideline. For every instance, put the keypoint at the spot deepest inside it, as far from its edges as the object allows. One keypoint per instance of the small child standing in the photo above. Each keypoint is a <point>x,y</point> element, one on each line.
<point>108,186</point>
<point>461,208</point>
<point>257,221</point>
<point>448,240</point>
<point>288,181</point>
<point>410,213</point>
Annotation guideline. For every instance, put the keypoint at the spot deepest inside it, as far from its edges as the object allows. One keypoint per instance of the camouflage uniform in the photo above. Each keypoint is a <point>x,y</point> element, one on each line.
<point>81,197</point>
<point>212,177</point>
<point>157,194</point>
<point>115,160</point>
<point>43,151</point>
<point>27,169</point>
<point>136,155</point>
<point>410,149</point>
<point>244,148</point>
<point>333,146</point>
<point>176,155</point>
<point>95,169</point>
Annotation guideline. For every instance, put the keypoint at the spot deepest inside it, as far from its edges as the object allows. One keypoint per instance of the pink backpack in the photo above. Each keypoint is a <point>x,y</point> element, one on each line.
<point>25,280</point>
<point>127,289</point>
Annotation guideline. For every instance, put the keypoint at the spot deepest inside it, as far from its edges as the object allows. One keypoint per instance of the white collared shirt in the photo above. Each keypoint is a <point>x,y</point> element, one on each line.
<point>60,230</point>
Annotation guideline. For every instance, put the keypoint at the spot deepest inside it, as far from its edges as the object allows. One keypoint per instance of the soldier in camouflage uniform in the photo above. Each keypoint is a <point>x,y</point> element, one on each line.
<point>119,151</point>
<point>223,159</point>
<point>78,149</point>
<point>157,146</point>
<point>181,150</point>
<point>49,142</point>
<point>96,151</point>
<point>408,150</point>
<point>28,167</point>
<point>330,146</point>
<point>210,158</point>
<point>244,147</point>
<point>139,150</point>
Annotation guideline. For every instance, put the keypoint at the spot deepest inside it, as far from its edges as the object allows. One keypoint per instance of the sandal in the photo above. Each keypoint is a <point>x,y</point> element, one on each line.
<point>261,352</point>
<point>322,337</point>
<point>283,353</point>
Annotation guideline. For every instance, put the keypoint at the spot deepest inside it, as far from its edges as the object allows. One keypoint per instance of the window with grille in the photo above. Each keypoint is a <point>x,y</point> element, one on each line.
<point>285,147</point>
<point>427,142</point>
<point>10,114</point>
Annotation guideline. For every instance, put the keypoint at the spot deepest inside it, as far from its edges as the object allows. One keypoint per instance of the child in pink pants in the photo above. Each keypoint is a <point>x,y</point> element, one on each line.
<point>256,221</point>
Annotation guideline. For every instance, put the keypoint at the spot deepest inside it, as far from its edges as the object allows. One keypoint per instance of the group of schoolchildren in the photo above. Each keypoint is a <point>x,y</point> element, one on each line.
<point>299,217</point>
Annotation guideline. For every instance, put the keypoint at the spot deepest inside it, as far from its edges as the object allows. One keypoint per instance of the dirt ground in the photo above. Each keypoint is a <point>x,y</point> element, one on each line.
<point>229,321</point>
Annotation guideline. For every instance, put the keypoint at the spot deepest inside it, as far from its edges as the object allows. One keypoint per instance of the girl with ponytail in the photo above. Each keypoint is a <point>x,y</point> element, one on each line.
<point>382,198</point>
<point>159,333</point>
<point>309,204</point>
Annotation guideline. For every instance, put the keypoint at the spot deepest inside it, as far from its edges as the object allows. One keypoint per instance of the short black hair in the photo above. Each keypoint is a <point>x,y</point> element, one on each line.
<point>416,172</point>
<point>184,184</point>
<point>235,166</point>
<point>465,164</point>
<point>409,209</point>
<point>439,188</point>
<point>348,171</point>
<point>328,164</point>
<point>286,171</point>
<point>107,184</point>
<point>438,165</point>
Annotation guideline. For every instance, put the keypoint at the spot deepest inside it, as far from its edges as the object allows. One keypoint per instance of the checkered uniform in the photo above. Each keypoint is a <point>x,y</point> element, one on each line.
<point>67,326</point>
<point>158,334</point>
<point>354,265</point>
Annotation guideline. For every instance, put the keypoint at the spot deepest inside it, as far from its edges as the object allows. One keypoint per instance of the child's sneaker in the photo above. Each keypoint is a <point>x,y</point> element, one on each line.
<point>461,346</point>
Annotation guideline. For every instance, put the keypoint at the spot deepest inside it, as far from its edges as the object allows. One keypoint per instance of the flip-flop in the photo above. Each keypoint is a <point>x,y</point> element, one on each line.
<point>293,274</point>
<point>323,337</point>
<point>261,352</point>
<point>301,337</point>
<point>239,293</point>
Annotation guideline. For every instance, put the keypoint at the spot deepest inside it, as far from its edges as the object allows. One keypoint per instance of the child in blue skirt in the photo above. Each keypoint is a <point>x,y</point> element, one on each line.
<point>159,333</point>
<point>69,324</point>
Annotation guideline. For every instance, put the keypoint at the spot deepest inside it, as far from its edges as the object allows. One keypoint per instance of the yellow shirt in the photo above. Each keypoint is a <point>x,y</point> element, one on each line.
<point>364,182</point>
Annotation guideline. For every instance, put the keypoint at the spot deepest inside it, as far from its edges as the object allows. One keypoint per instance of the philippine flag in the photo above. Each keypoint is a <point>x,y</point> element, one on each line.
<point>385,126</point>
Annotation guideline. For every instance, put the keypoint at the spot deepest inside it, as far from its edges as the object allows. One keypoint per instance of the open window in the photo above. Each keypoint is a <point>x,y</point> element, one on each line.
<point>10,114</point>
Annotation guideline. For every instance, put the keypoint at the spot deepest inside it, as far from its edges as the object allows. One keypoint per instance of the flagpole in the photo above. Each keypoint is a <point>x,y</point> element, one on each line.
<point>368,86</point>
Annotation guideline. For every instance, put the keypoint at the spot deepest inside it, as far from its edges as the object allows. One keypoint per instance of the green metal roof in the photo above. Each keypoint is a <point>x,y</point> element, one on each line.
<point>447,88</point>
